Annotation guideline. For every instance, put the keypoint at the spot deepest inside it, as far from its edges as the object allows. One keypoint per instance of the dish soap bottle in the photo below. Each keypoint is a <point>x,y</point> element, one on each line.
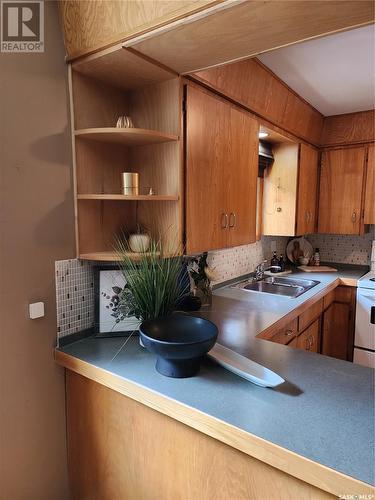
<point>281,264</point>
<point>316,257</point>
<point>274,262</point>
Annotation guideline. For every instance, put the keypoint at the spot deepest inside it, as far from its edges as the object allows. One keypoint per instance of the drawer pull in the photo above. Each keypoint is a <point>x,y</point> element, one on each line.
<point>354,216</point>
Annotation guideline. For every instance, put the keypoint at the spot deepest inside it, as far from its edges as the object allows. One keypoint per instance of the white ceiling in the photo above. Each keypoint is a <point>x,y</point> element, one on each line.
<point>336,73</point>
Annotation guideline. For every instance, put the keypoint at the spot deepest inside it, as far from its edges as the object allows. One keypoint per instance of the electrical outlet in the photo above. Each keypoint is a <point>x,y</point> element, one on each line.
<point>273,246</point>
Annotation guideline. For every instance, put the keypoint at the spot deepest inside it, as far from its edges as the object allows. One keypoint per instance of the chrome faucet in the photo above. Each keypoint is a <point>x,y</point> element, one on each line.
<point>260,269</point>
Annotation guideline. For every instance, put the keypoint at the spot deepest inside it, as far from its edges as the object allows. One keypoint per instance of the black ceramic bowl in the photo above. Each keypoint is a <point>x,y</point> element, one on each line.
<point>179,342</point>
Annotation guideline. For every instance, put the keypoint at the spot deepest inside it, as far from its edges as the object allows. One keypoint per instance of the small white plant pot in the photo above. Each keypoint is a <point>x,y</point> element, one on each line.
<point>139,243</point>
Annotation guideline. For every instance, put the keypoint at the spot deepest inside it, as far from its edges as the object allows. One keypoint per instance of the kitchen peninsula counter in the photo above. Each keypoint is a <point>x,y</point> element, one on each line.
<point>316,427</point>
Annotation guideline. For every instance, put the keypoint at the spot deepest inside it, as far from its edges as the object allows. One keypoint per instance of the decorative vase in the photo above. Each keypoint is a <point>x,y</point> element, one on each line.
<point>179,343</point>
<point>139,243</point>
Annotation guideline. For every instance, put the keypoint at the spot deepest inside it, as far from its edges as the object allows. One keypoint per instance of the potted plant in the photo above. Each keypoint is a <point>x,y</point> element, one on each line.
<point>154,280</point>
<point>157,285</point>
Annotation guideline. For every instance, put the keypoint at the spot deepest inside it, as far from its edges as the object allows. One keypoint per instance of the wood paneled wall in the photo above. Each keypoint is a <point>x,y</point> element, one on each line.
<point>351,128</point>
<point>254,86</point>
<point>91,25</point>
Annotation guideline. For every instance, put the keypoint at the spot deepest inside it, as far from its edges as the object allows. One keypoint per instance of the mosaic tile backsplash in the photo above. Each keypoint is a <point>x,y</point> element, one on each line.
<point>237,261</point>
<point>75,279</point>
<point>344,249</point>
<point>74,296</point>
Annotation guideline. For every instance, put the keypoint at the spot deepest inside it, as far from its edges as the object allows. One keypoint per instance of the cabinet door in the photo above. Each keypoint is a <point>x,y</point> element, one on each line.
<point>307,189</point>
<point>280,191</point>
<point>243,172</point>
<point>370,187</point>
<point>309,339</point>
<point>207,169</point>
<point>341,183</point>
<point>336,321</point>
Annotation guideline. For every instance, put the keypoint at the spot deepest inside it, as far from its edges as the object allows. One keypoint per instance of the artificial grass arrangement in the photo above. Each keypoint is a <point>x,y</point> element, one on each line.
<point>156,282</point>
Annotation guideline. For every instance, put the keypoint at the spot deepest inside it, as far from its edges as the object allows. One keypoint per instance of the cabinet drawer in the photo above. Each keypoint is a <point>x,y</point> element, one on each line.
<point>312,313</point>
<point>344,294</point>
<point>328,299</point>
<point>286,334</point>
<point>309,339</point>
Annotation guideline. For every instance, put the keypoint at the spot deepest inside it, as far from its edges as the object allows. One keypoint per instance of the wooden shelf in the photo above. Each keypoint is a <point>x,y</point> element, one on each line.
<point>107,256</point>
<point>121,68</point>
<point>122,197</point>
<point>125,136</point>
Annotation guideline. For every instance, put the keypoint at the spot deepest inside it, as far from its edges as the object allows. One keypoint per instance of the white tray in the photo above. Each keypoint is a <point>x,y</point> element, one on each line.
<point>244,367</point>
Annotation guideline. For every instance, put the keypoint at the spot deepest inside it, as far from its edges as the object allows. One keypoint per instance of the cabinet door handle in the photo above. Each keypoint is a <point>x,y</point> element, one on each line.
<point>224,221</point>
<point>232,219</point>
<point>354,216</point>
<point>307,344</point>
<point>288,333</point>
<point>307,216</point>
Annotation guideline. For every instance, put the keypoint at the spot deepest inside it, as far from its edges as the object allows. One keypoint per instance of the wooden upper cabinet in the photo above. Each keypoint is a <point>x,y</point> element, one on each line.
<point>341,184</point>
<point>243,149</point>
<point>307,189</point>
<point>280,191</point>
<point>221,173</point>
<point>369,217</point>
<point>290,190</point>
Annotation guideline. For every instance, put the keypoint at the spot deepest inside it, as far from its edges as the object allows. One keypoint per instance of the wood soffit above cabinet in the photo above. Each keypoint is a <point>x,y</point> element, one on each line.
<point>254,86</point>
<point>247,28</point>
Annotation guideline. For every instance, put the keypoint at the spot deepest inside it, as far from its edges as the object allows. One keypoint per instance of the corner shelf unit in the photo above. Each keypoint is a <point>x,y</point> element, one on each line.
<point>107,256</point>
<point>125,136</point>
<point>104,86</point>
<point>122,197</point>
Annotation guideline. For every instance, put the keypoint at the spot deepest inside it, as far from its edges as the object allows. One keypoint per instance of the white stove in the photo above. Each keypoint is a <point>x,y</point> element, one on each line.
<point>364,339</point>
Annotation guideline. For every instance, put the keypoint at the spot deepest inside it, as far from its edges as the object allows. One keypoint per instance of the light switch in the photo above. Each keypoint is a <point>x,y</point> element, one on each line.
<point>36,310</point>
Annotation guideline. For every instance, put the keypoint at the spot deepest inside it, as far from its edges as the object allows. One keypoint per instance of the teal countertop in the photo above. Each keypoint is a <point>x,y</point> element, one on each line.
<point>324,411</point>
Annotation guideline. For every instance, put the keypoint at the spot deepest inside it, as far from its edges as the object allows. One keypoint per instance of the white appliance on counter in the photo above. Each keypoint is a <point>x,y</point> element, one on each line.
<point>364,338</point>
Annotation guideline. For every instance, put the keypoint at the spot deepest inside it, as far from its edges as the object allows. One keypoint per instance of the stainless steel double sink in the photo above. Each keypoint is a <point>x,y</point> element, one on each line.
<point>286,287</point>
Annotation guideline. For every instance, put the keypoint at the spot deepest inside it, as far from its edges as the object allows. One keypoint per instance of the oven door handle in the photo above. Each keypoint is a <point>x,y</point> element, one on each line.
<point>372,315</point>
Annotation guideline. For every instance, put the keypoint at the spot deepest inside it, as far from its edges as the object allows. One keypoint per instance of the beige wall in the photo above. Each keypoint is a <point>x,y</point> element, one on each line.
<point>36,228</point>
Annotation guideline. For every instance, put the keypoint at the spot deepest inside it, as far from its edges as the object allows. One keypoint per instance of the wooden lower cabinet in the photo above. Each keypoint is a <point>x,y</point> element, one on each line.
<point>309,339</point>
<point>327,327</point>
<point>288,334</point>
<point>338,325</point>
<point>120,449</point>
